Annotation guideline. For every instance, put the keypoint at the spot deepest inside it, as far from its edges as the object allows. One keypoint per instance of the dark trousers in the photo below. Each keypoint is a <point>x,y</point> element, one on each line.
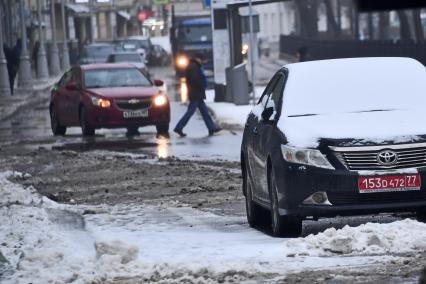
<point>192,107</point>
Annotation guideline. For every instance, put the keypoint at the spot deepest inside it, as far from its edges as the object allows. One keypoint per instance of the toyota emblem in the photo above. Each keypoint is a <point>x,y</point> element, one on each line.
<point>387,157</point>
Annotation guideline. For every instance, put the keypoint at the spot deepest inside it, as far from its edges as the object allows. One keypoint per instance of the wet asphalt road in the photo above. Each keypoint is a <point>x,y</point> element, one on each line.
<point>31,128</point>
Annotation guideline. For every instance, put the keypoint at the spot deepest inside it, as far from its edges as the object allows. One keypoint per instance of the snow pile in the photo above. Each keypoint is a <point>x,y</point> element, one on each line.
<point>367,239</point>
<point>230,113</point>
<point>43,242</point>
<point>124,252</point>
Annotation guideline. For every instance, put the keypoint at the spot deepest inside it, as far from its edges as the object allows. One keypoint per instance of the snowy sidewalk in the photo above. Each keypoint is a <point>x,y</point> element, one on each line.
<point>229,115</point>
<point>9,105</point>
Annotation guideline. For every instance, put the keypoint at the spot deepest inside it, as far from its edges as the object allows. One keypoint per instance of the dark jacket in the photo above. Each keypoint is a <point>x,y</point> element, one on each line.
<point>195,81</point>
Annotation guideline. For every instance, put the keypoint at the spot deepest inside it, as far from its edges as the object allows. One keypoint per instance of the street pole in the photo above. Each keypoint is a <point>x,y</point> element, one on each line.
<point>42,71</point>
<point>24,78</point>
<point>92,28</point>
<point>251,50</point>
<point>4,75</point>
<point>54,52</point>
<point>65,53</point>
<point>113,20</point>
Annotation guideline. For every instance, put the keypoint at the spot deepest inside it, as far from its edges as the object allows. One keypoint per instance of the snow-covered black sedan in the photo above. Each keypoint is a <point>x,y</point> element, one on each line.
<point>336,137</point>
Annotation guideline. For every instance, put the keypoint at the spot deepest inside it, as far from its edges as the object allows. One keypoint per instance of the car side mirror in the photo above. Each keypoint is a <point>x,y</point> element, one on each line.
<point>72,86</point>
<point>158,83</point>
<point>267,113</point>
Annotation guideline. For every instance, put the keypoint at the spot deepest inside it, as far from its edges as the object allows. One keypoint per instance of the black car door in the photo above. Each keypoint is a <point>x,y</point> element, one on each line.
<point>265,129</point>
<point>255,163</point>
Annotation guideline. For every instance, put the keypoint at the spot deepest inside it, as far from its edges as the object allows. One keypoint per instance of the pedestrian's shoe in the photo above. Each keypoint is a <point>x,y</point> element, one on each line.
<point>211,132</point>
<point>179,132</point>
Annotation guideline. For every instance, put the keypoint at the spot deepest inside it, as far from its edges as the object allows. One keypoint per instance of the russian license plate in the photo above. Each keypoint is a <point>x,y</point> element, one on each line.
<point>389,183</point>
<point>132,114</point>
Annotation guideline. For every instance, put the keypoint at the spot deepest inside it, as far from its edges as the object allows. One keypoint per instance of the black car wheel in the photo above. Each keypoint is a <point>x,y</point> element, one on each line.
<point>132,131</point>
<point>254,213</point>
<point>162,128</point>
<point>86,128</point>
<point>421,216</point>
<point>57,128</point>
<point>282,226</point>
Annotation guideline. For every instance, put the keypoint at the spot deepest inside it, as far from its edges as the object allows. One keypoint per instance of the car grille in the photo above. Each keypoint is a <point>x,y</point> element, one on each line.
<point>134,104</point>
<point>354,198</point>
<point>366,158</point>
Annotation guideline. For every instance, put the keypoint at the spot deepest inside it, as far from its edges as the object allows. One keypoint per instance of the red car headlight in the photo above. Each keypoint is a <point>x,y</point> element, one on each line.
<point>160,100</point>
<point>103,103</point>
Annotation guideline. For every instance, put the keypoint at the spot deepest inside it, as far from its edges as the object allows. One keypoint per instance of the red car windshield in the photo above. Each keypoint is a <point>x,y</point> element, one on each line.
<point>110,78</point>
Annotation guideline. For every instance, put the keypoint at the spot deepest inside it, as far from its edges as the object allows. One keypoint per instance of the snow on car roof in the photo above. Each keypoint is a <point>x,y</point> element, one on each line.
<point>354,84</point>
<point>371,99</point>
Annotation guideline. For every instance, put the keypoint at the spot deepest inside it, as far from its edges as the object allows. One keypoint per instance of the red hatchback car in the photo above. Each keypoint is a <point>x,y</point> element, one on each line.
<point>107,96</point>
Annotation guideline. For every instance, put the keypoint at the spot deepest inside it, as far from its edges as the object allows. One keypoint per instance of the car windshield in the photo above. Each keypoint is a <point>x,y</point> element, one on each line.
<point>195,33</point>
<point>354,86</point>
<point>126,57</point>
<point>98,51</point>
<point>107,78</point>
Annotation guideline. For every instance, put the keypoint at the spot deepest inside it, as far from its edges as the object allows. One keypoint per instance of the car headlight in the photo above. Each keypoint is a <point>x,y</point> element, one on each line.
<point>182,61</point>
<point>160,100</point>
<point>103,103</point>
<point>309,157</point>
<point>244,49</point>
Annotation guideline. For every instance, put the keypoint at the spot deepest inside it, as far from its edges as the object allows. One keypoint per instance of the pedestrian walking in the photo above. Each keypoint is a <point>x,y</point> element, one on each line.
<point>13,56</point>
<point>196,82</point>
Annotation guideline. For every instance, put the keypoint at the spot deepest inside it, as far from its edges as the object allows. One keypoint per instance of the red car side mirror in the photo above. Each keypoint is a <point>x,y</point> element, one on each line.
<point>72,86</point>
<point>158,83</point>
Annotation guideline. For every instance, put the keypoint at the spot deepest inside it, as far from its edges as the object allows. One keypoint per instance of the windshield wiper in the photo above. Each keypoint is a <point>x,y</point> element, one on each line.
<point>299,115</point>
<point>373,110</point>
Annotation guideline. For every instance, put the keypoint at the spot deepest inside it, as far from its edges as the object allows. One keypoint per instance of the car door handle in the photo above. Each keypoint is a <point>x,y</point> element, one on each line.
<point>255,131</point>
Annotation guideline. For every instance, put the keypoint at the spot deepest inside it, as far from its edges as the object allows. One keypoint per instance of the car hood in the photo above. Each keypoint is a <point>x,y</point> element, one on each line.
<point>138,65</point>
<point>373,127</point>
<point>125,92</point>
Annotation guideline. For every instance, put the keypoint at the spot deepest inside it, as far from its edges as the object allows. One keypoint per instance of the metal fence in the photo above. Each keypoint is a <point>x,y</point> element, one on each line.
<point>329,49</point>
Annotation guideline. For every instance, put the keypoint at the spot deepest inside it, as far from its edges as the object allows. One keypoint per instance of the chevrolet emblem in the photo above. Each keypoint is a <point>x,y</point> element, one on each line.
<point>134,101</point>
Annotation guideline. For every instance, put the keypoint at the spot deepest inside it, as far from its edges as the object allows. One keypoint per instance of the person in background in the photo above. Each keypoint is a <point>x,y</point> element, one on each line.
<point>302,54</point>
<point>197,82</point>
<point>13,57</point>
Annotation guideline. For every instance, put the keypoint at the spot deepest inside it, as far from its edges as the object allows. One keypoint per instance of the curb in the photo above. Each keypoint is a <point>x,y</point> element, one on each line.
<point>224,125</point>
<point>36,97</point>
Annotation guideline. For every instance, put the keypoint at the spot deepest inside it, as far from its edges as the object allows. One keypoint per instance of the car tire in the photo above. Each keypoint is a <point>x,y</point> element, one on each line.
<point>86,128</point>
<point>421,216</point>
<point>132,131</point>
<point>162,128</point>
<point>253,211</point>
<point>56,127</point>
<point>282,226</point>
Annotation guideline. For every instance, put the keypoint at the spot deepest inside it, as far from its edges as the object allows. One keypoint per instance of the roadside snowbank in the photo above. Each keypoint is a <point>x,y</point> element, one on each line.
<point>46,242</point>
<point>367,239</point>
<point>229,113</point>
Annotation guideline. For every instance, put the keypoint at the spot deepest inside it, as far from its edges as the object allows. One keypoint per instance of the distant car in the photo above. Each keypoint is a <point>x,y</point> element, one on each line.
<point>142,44</point>
<point>336,137</point>
<point>96,53</point>
<point>130,57</point>
<point>107,96</point>
<point>160,57</point>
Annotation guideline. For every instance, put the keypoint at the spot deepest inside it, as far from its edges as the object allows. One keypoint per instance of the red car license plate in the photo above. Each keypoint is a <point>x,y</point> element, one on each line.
<point>389,183</point>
